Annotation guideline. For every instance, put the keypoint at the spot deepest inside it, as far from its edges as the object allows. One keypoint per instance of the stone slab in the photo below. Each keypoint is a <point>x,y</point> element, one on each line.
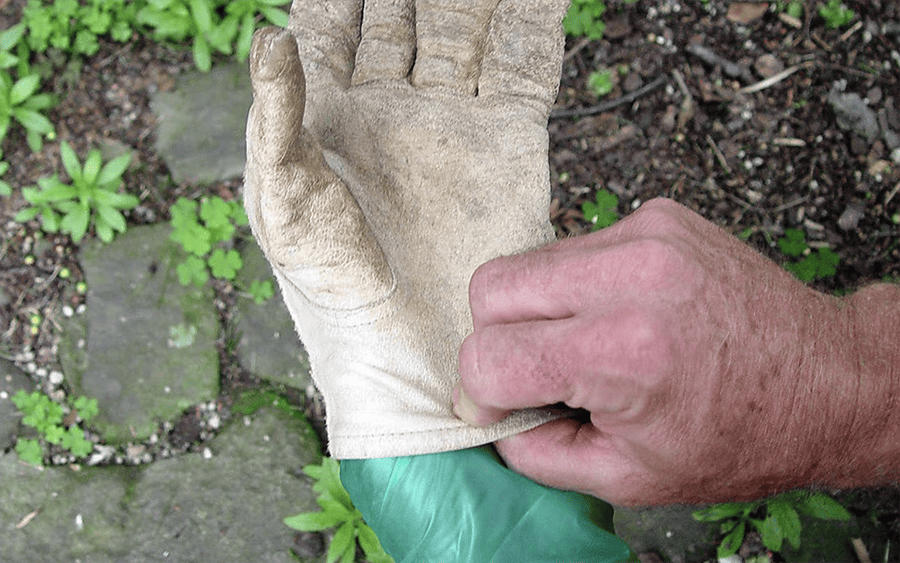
<point>202,122</point>
<point>268,346</point>
<point>150,347</point>
<point>669,531</point>
<point>226,507</point>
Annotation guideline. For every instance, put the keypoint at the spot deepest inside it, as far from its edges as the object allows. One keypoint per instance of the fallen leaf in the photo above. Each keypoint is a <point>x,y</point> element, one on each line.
<point>746,12</point>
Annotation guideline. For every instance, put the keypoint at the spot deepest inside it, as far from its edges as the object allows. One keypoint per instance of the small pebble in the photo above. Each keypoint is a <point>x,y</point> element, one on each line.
<point>851,217</point>
<point>56,377</point>
<point>207,453</point>
<point>768,65</point>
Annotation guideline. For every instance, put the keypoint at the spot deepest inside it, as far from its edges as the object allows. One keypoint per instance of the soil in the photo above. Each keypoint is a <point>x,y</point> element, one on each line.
<point>688,117</point>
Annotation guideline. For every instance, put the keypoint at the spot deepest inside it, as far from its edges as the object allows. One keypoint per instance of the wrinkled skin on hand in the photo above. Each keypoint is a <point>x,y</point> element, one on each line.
<point>708,372</point>
<point>408,147</point>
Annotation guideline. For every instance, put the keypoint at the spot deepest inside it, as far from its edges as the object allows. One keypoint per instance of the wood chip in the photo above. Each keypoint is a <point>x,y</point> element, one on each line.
<point>746,12</point>
<point>790,20</point>
<point>861,552</point>
<point>27,518</point>
<point>772,80</point>
<point>788,142</point>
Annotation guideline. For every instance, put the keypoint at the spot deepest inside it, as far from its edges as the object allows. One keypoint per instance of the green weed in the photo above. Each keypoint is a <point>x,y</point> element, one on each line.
<point>793,8</point>
<point>5,188</point>
<point>776,519</point>
<point>74,27</point>
<point>19,97</point>
<point>211,25</point>
<point>206,233</point>
<point>600,82</point>
<point>583,19</point>
<point>818,264</point>
<point>836,14</point>
<point>46,417</point>
<point>338,512</point>
<point>603,212</point>
<point>91,198</point>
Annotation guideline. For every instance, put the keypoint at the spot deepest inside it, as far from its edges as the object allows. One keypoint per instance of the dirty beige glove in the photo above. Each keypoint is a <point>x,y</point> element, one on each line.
<point>408,148</point>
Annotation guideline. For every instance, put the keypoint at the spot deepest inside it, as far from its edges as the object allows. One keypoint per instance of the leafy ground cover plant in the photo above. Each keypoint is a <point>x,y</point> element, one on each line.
<point>5,188</point>
<point>92,197</point>
<point>19,97</point>
<point>73,27</point>
<point>793,8</point>
<point>811,265</point>
<point>206,233</point>
<point>338,512</point>
<point>211,25</point>
<point>584,19</point>
<point>836,14</point>
<point>47,418</point>
<point>601,82</point>
<point>602,212</point>
<point>776,519</point>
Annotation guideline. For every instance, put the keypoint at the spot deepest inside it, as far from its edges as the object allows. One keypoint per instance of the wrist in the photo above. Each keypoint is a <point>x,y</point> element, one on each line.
<point>866,452</point>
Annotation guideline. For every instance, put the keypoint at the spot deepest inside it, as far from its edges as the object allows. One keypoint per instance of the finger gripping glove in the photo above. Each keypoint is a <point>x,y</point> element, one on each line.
<point>374,200</point>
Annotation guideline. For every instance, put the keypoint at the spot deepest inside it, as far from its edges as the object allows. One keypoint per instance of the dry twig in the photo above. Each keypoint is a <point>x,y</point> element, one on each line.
<point>774,79</point>
<point>612,104</point>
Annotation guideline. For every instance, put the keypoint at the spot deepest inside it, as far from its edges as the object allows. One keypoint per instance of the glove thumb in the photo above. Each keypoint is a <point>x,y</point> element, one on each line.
<point>302,214</point>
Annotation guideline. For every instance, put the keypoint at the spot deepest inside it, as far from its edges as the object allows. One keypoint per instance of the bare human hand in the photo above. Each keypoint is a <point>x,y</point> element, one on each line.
<point>707,371</point>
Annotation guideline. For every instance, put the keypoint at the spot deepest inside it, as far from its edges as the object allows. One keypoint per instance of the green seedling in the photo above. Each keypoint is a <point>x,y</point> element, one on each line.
<point>776,519</point>
<point>206,233</point>
<point>836,14</point>
<point>206,238</point>
<point>793,8</point>
<point>20,101</point>
<point>201,22</point>
<point>812,265</point>
<point>584,19</point>
<point>92,197</point>
<point>5,188</point>
<point>261,290</point>
<point>603,212</point>
<point>338,512</point>
<point>10,40</point>
<point>601,82</point>
<point>45,416</point>
<point>73,27</point>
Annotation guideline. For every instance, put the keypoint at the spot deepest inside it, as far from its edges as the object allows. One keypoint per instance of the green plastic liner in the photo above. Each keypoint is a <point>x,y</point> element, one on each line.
<point>467,507</point>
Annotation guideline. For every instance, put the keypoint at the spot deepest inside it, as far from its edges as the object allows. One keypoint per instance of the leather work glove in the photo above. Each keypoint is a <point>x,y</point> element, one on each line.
<point>407,148</point>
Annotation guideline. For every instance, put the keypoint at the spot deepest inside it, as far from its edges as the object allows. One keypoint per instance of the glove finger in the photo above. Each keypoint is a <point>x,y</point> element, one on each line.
<point>450,43</point>
<point>328,33</point>
<point>524,52</point>
<point>279,95</point>
<point>388,42</point>
<point>304,218</point>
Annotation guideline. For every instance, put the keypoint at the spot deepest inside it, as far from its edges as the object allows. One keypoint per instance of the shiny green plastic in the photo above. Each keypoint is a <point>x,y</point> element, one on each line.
<point>467,507</point>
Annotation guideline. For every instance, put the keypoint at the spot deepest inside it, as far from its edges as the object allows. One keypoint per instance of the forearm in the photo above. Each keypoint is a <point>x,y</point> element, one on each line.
<point>871,452</point>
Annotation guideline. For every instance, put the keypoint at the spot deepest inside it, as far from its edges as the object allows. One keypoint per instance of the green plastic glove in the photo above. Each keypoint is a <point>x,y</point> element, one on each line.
<point>466,507</point>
